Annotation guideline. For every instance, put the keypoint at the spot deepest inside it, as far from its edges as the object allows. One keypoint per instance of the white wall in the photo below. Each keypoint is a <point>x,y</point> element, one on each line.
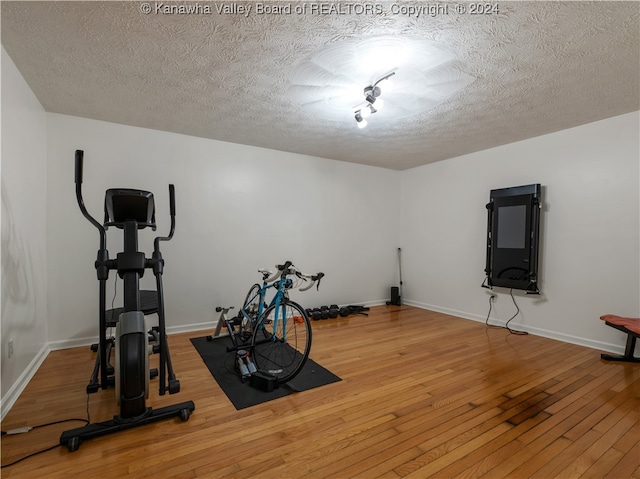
<point>24,232</point>
<point>239,208</point>
<point>590,231</point>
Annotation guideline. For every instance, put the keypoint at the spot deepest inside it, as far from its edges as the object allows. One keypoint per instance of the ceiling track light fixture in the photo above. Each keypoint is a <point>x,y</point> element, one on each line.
<point>371,95</point>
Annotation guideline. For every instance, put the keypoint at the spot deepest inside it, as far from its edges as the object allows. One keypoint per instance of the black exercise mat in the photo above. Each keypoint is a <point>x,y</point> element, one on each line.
<point>242,395</point>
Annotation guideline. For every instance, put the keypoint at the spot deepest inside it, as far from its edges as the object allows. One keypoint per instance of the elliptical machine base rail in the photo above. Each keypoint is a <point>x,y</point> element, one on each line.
<point>74,437</point>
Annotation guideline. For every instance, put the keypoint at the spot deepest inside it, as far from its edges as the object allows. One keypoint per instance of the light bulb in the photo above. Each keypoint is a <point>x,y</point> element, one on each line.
<point>365,112</point>
<point>379,104</point>
<point>362,123</point>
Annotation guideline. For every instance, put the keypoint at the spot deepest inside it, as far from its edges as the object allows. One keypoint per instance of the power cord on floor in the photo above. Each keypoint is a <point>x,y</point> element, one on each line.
<point>489,313</point>
<point>514,331</point>
<point>22,430</point>
<point>506,326</point>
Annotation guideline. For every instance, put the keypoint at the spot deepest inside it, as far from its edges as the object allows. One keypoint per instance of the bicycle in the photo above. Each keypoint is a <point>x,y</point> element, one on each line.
<point>273,338</point>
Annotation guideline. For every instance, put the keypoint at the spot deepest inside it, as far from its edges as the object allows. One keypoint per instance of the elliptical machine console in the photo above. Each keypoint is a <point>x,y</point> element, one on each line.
<point>129,210</point>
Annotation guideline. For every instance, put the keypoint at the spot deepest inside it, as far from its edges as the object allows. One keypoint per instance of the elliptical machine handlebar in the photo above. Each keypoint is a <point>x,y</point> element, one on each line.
<point>79,160</point>
<point>172,213</point>
<point>78,177</point>
<point>172,201</point>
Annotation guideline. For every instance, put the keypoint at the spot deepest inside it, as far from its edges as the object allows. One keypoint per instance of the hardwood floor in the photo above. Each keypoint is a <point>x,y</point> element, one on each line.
<point>422,395</point>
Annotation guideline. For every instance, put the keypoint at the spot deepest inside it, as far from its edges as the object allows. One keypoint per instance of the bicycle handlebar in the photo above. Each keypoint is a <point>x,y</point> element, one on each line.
<point>288,268</point>
<point>281,269</point>
<point>313,278</point>
<point>270,277</point>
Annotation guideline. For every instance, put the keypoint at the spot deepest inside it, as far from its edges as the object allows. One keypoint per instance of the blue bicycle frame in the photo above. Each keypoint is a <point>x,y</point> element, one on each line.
<point>253,318</point>
<point>281,285</point>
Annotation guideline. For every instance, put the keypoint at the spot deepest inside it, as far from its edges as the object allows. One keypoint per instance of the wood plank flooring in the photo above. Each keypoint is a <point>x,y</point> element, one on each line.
<point>422,395</point>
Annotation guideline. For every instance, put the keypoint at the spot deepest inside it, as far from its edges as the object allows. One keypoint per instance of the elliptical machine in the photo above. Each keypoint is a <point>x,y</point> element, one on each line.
<point>129,210</point>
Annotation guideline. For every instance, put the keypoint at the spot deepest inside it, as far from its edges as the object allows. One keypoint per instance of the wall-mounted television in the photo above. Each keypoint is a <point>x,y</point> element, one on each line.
<point>513,225</point>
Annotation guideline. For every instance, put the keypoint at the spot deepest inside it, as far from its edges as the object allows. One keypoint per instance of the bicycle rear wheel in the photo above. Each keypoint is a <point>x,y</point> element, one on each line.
<point>282,341</point>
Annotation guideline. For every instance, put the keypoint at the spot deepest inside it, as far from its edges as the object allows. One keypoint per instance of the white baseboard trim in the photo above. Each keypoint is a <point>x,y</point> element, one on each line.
<point>12,395</point>
<point>189,328</point>
<point>80,342</point>
<point>71,343</point>
<point>566,338</point>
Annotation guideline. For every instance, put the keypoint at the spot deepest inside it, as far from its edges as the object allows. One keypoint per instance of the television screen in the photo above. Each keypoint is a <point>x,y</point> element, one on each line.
<point>512,238</point>
<point>512,231</point>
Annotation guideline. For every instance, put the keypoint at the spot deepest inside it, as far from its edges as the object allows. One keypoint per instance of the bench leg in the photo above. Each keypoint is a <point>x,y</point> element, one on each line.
<point>628,352</point>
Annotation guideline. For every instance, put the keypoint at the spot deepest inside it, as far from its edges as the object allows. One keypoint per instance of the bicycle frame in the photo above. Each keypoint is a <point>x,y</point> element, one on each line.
<point>281,286</point>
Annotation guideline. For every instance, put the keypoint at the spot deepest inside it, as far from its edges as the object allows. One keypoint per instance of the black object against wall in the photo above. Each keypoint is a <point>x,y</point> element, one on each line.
<point>396,291</point>
<point>513,223</point>
<point>395,296</point>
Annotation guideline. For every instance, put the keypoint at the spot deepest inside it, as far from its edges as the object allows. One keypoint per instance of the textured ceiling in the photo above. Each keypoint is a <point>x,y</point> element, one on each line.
<point>535,68</point>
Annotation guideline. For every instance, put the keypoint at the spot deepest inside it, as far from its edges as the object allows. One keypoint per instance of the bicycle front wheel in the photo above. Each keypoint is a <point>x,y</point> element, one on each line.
<point>282,341</point>
<point>251,304</point>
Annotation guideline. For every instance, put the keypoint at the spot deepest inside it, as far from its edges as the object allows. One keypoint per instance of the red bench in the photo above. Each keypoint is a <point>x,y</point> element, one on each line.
<point>631,326</point>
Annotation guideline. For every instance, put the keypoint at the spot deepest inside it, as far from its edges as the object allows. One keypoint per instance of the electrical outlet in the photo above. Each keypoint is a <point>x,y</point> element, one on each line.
<point>10,347</point>
<point>493,298</point>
